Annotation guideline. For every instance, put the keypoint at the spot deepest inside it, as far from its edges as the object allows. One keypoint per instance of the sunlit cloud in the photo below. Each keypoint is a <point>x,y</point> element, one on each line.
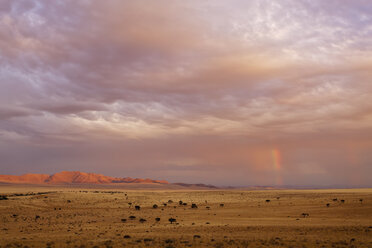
<point>209,85</point>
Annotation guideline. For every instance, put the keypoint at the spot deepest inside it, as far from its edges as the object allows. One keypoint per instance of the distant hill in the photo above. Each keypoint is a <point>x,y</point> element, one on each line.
<point>77,178</point>
<point>73,177</point>
<point>202,185</point>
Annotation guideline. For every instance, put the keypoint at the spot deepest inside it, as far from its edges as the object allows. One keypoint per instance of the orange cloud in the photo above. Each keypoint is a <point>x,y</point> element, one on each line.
<point>196,86</point>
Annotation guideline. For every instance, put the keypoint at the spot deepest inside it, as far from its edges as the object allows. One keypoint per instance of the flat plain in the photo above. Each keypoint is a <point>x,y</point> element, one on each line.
<point>102,217</point>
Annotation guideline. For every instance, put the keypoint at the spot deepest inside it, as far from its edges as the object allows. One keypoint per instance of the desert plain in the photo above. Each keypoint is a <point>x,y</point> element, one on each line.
<point>57,216</point>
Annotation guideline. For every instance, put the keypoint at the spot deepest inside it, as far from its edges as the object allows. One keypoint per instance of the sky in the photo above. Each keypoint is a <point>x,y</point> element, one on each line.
<point>230,93</point>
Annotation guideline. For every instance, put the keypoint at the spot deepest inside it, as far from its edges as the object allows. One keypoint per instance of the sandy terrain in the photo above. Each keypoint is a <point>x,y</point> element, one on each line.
<point>87,217</point>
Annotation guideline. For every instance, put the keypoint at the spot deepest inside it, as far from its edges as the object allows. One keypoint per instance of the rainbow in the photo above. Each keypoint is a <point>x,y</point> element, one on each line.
<point>275,153</point>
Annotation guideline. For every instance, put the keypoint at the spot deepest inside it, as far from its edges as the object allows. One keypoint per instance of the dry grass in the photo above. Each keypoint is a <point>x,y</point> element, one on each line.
<point>77,217</point>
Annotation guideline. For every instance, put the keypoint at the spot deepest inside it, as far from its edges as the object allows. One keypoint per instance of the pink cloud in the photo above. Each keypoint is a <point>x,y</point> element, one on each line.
<point>196,86</point>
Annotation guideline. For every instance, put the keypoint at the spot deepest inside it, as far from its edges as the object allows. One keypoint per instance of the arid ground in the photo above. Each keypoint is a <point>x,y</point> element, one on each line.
<point>101,217</point>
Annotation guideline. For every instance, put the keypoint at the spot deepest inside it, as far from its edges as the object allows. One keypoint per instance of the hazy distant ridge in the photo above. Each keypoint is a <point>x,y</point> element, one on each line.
<point>73,177</point>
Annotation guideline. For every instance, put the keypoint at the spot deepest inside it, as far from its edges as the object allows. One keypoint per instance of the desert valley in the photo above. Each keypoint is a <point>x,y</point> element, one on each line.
<point>77,212</point>
<point>213,123</point>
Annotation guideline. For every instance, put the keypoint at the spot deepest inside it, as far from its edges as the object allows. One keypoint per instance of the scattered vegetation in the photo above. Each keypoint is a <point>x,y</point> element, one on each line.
<point>304,215</point>
<point>171,220</point>
<point>3,197</point>
<point>105,226</point>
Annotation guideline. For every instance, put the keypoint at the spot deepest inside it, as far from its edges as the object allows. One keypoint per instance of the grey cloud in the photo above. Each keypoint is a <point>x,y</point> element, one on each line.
<point>77,72</point>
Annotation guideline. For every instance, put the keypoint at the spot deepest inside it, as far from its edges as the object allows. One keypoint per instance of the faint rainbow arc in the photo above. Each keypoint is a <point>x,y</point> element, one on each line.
<point>275,153</point>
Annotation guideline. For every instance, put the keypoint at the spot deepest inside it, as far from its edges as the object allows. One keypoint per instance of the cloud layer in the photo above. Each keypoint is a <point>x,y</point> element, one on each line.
<point>194,91</point>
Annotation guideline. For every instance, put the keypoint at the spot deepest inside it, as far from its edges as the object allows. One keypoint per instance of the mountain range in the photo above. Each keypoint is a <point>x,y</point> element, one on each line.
<point>77,177</point>
<point>72,177</point>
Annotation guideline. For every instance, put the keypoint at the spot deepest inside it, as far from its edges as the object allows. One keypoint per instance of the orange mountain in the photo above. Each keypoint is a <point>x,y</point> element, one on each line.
<point>73,177</point>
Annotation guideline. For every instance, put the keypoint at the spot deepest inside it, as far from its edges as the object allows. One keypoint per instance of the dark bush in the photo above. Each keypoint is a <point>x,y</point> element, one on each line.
<point>3,197</point>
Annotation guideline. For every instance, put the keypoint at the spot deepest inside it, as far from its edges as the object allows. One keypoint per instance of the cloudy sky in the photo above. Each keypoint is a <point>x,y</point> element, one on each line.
<point>258,92</point>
